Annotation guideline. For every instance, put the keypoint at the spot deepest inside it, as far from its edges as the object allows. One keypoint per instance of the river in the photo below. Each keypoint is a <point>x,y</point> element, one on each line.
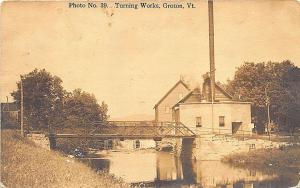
<point>161,169</point>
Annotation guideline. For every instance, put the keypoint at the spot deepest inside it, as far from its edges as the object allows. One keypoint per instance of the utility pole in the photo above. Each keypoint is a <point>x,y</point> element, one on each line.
<point>268,111</point>
<point>22,108</point>
<point>211,58</point>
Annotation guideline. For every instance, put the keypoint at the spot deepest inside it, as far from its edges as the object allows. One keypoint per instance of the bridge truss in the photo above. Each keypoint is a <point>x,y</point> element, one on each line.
<point>128,130</point>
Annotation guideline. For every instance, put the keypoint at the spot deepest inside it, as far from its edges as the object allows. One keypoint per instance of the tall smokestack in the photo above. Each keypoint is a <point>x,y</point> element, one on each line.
<point>211,48</point>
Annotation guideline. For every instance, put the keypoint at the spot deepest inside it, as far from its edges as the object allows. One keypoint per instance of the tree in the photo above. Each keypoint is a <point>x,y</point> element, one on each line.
<point>81,107</point>
<point>43,98</point>
<point>290,109</point>
<point>104,111</point>
<point>272,82</point>
<point>47,104</point>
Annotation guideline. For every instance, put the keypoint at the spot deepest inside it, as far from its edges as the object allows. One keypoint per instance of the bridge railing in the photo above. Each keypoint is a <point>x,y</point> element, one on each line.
<point>144,128</point>
<point>218,131</point>
<point>131,129</point>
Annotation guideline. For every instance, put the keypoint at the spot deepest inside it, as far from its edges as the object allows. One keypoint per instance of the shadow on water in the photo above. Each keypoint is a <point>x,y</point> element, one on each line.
<point>162,169</point>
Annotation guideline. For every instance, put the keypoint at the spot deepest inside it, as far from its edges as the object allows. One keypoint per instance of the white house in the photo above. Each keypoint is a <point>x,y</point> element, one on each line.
<point>225,115</point>
<point>195,110</point>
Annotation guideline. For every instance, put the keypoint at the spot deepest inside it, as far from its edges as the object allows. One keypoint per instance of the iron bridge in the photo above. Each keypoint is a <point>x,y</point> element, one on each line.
<point>127,130</point>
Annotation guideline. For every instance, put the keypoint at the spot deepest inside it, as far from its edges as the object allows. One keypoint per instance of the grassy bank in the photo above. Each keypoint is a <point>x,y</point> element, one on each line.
<point>287,157</point>
<point>23,164</point>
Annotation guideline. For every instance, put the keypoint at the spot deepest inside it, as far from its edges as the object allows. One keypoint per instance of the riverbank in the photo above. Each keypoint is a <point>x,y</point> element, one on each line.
<point>276,158</point>
<point>23,164</point>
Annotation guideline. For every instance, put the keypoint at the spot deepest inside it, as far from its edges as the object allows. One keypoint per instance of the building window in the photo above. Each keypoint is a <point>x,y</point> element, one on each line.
<point>167,109</point>
<point>137,144</point>
<point>180,96</point>
<point>198,122</point>
<point>221,121</point>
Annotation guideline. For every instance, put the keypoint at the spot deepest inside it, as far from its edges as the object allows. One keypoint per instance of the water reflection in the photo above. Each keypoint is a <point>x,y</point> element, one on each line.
<point>159,169</point>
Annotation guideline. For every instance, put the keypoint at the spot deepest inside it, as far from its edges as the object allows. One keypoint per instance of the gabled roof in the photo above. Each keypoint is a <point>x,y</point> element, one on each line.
<point>223,91</point>
<point>194,92</point>
<point>184,98</point>
<point>217,86</point>
<point>179,82</point>
<point>197,92</point>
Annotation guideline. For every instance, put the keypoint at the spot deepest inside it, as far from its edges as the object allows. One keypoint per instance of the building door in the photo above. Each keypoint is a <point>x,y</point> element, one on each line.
<point>235,127</point>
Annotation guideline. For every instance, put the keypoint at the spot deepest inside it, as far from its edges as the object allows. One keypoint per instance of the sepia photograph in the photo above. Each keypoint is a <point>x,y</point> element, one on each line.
<point>150,94</point>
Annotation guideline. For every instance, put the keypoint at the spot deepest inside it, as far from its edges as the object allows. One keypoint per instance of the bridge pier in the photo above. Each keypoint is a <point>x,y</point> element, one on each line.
<point>186,148</point>
<point>177,147</point>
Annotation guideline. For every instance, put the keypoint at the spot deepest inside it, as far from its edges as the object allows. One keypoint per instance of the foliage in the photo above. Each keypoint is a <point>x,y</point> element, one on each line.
<point>283,157</point>
<point>273,83</point>
<point>46,103</point>
<point>43,98</point>
<point>81,107</point>
<point>290,108</point>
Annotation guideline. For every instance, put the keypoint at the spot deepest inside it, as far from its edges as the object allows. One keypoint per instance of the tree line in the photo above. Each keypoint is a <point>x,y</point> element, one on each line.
<point>48,105</point>
<point>273,84</point>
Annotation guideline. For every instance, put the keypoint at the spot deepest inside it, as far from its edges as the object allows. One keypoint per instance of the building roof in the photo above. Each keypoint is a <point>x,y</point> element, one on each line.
<point>223,91</point>
<point>196,96</point>
<point>11,106</point>
<point>196,91</point>
<point>219,88</point>
<point>179,82</point>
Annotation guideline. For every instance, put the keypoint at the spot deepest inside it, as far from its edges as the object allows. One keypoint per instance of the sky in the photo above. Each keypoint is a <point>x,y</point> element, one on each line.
<point>131,58</point>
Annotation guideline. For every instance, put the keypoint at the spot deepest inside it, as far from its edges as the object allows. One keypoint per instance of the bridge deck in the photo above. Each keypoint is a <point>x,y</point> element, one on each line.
<point>129,130</point>
<point>116,136</point>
